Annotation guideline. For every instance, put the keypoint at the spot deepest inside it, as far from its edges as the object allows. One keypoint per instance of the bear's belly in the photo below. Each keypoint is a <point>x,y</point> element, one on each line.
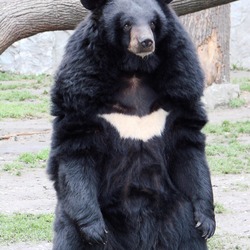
<point>135,173</point>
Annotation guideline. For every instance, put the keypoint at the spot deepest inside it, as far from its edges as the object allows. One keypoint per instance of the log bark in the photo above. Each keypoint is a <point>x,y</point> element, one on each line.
<point>183,7</point>
<point>210,31</point>
<point>21,19</point>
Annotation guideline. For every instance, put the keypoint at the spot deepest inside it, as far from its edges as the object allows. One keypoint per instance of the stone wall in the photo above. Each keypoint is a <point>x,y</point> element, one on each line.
<point>240,33</point>
<point>35,55</point>
<point>42,53</point>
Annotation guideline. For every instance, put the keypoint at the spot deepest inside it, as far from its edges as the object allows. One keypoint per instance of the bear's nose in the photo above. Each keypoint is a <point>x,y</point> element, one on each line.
<point>146,43</point>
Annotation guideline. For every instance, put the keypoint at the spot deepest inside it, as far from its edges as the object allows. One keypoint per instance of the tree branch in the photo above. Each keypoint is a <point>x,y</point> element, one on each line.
<point>183,7</point>
<point>21,19</point>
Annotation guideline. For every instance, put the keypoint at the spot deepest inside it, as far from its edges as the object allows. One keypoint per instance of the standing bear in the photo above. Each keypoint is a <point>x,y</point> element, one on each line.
<point>127,155</point>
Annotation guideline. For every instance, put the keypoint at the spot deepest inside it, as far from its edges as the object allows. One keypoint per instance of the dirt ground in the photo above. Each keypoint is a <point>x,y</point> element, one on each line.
<point>32,192</point>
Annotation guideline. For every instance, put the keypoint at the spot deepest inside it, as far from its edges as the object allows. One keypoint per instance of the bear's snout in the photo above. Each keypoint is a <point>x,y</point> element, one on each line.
<point>141,41</point>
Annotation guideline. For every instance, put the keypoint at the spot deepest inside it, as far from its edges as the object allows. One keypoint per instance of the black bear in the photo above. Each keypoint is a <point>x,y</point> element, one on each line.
<point>127,155</point>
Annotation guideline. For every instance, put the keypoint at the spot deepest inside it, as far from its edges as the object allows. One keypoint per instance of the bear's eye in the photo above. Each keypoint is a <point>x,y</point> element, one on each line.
<point>152,25</point>
<point>127,27</point>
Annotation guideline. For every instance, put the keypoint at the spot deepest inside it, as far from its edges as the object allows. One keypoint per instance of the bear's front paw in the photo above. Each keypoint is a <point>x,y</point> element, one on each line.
<point>205,224</point>
<point>95,233</point>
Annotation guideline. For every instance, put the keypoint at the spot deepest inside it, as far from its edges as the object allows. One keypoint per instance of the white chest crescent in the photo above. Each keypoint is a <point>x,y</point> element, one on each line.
<point>138,128</point>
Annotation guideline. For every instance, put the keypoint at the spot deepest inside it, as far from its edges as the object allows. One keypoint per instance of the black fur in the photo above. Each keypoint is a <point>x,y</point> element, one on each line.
<point>127,194</point>
<point>91,5</point>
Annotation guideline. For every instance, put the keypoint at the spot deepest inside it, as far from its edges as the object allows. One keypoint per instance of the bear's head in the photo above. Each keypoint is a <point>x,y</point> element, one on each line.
<point>135,26</point>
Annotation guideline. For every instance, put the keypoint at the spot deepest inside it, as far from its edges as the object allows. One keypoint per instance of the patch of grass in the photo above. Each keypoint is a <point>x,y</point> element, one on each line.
<point>245,86</point>
<point>11,81</point>
<point>244,83</point>
<point>13,86</point>
<point>25,228</point>
<point>13,167</point>
<point>9,76</point>
<point>238,67</point>
<point>232,158</point>
<point>237,103</point>
<point>215,243</point>
<point>23,109</point>
<point>33,159</point>
<point>16,96</point>
<point>27,160</point>
<point>225,153</point>
<point>219,208</point>
<point>226,128</point>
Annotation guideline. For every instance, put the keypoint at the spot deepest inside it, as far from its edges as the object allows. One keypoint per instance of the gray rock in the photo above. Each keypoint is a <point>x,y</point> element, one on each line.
<point>220,95</point>
<point>35,55</point>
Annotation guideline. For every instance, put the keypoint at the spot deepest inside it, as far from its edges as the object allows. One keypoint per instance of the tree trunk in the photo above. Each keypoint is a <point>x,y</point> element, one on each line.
<point>20,19</point>
<point>210,31</point>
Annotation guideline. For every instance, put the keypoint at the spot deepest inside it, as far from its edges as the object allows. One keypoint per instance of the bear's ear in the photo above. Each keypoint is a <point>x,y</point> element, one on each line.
<point>167,1</point>
<point>92,4</point>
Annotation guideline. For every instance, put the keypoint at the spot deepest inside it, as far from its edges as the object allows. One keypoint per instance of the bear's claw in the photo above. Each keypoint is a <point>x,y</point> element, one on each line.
<point>205,224</point>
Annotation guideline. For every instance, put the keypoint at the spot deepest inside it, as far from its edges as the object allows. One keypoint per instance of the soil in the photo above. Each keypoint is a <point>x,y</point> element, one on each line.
<point>32,192</point>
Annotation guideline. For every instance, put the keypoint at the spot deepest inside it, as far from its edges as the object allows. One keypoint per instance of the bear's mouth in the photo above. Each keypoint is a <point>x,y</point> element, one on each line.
<point>142,52</point>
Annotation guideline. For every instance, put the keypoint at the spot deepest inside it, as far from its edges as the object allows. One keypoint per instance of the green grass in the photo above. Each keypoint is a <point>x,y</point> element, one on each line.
<point>27,160</point>
<point>23,109</point>
<point>17,98</point>
<point>13,86</point>
<point>238,67</point>
<point>14,168</point>
<point>33,159</point>
<point>228,129</point>
<point>225,153</point>
<point>8,76</point>
<point>245,86</point>
<point>219,208</point>
<point>25,228</point>
<point>17,95</point>
<point>24,84</point>
<point>215,243</point>
<point>232,158</point>
<point>244,83</point>
<point>236,103</point>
